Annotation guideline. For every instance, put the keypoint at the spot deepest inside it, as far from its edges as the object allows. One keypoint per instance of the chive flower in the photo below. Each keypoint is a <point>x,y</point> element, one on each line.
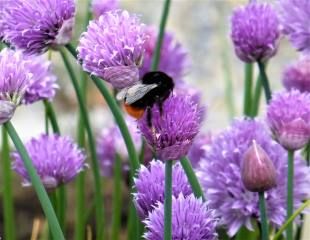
<point>255,32</point>
<point>113,48</point>
<point>172,132</point>
<point>150,186</point>
<point>191,219</point>
<point>220,176</point>
<point>57,160</point>
<point>288,116</point>
<point>37,25</point>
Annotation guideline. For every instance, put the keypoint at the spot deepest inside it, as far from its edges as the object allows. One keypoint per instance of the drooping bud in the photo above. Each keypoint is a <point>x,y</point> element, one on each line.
<point>258,171</point>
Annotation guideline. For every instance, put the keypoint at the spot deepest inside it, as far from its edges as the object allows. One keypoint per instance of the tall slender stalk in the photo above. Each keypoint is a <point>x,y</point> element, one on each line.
<point>290,192</point>
<point>162,26</point>
<point>168,201</point>
<point>264,80</point>
<point>263,217</point>
<point>92,146</point>
<point>36,182</point>
<point>256,97</point>
<point>8,201</point>
<point>191,176</point>
<point>248,80</point>
<point>117,198</point>
<point>51,116</point>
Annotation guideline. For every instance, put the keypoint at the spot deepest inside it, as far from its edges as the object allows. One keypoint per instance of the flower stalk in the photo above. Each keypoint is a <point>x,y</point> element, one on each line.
<point>36,182</point>
<point>247,105</point>
<point>264,80</point>
<point>168,201</point>
<point>263,216</point>
<point>290,192</point>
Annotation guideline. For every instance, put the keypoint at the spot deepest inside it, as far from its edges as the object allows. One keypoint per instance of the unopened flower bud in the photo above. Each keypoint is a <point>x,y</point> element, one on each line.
<point>7,110</point>
<point>258,171</point>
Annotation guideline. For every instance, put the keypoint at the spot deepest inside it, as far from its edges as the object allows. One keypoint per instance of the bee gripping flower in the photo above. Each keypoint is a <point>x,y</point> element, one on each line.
<point>257,170</point>
<point>113,48</point>
<point>255,32</point>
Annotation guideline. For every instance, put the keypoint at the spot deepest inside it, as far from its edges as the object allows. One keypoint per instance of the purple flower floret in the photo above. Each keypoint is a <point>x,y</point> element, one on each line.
<point>150,186</point>
<point>110,142</point>
<point>288,116</point>
<point>113,48</point>
<point>42,85</point>
<point>100,7</point>
<point>173,131</point>
<point>174,59</point>
<point>36,25</point>
<point>198,149</point>
<point>191,219</point>
<point>14,77</point>
<point>57,160</point>
<point>297,75</point>
<point>220,176</point>
<point>295,19</point>
<point>255,32</point>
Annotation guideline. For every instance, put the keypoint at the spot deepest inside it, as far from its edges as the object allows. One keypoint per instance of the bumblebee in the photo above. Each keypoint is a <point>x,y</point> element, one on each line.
<point>154,88</point>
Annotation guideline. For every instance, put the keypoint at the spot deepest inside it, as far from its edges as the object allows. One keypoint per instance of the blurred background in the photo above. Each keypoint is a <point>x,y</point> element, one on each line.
<point>202,26</point>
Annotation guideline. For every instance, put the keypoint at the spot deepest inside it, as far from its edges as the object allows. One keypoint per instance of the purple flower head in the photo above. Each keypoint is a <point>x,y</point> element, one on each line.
<point>255,32</point>
<point>36,25</point>
<point>220,176</point>
<point>297,75</point>
<point>198,149</point>
<point>295,20</point>
<point>14,77</point>
<point>113,48</point>
<point>100,7</point>
<point>57,160</point>
<point>174,59</point>
<point>150,186</point>
<point>288,116</point>
<point>3,4</point>
<point>110,142</point>
<point>42,85</point>
<point>173,131</point>
<point>191,219</point>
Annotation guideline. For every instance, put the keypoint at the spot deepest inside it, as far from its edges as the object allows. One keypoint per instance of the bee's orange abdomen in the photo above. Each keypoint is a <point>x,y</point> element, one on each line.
<point>134,111</point>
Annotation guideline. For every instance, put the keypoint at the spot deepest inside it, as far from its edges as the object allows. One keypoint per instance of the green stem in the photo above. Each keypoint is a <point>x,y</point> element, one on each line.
<point>168,201</point>
<point>264,80</point>
<point>291,219</point>
<point>247,105</point>
<point>163,21</point>
<point>256,97</point>
<point>8,201</point>
<point>192,178</point>
<point>92,146</point>
<point>117,198</point>
<point>38,186</point>
<point>263,216</point>
<point>290,192</point>
<point>133,157</point>
<point>53,197</point>
<point>52,116</point>
<point>61,206</point>
<point>46,122</point>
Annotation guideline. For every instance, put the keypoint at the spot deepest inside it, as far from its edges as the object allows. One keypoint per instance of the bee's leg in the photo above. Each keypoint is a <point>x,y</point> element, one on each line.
<point>160,105</point>
<point>149,117</point>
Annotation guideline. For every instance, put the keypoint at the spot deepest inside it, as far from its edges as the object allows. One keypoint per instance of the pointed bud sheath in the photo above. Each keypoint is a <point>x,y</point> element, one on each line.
<point>258,171</point>
<point>7,110</point>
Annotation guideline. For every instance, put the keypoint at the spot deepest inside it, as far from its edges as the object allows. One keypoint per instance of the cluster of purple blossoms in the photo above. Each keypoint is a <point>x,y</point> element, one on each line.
<point>174,60</point>
<point>56,159</point>
<point>173,131</point>
<point>288,116</point>
<point>297,75</point>
<point>150,186</point>
<point>43,83</point>
<point>220,176</point>
<point>113,48</point>
<point>110,142</point>
<point>14,77</point>
<point>255,32</point>
<point>100,7</point>
<point>191,219</point>
<point>295,19</point>
<point>34,26</point>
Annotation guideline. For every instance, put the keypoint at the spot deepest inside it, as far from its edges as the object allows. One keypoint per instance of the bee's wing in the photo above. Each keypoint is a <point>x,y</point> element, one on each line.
<point>137,91</point>
<point>122,94</point>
